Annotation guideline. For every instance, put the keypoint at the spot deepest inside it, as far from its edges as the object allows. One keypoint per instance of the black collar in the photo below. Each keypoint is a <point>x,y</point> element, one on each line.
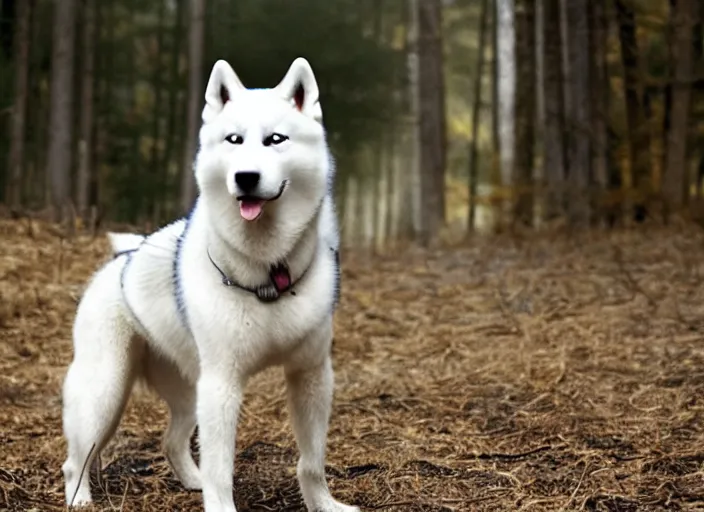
<point>271,291</point>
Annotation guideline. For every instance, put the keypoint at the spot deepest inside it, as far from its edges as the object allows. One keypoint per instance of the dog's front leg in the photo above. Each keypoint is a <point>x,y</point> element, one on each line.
<point>219,400</point>
<point>310,399</point>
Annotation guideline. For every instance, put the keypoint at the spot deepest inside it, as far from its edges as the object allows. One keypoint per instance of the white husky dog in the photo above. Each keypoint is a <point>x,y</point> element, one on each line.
<point>248,280</point>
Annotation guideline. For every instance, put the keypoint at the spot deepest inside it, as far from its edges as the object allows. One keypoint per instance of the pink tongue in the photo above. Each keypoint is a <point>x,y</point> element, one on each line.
<point>282,279</point>
<point>250,209</point>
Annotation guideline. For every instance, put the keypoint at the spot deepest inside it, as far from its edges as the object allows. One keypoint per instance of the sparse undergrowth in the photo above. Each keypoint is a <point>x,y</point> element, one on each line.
<point>546,374</point>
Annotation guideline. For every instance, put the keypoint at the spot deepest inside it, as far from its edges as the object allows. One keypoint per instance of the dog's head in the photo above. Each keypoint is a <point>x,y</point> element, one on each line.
<point>263,153</point>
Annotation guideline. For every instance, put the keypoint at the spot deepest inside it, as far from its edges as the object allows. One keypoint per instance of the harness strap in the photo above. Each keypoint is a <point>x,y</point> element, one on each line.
<point>123,273</point>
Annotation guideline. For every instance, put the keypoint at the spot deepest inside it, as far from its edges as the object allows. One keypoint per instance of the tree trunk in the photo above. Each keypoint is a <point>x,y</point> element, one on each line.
<point>156,120</point>
<point>85,144</point>
<point>7,19</point>
<point>539,76</point>
<point>578,112</point>
<point>105,25</point>
<point>676,169</point>
<point>525,111</point>
<point>173,108</point>
<point>599,96</point>
<point>36,188</point>
<point>60,120</point>
<point>367,199</point>
<point>382,214</point>
<point>667,90</point>
<point>554,171</point>
<point>19,109</point>
<point>132,161</point>
<point>378,148</point>
<point>360,203</point>
<point>698,85</point>
<point>476,109</point>
<point>506,54</point>
<point>432,118</point>
<point>496,171</point>
<point>391,190</point>
<point>439,62</point>
<point>195,93</point>
<point>638,144</point>
<point>351,221</point>
<point>414,204</point>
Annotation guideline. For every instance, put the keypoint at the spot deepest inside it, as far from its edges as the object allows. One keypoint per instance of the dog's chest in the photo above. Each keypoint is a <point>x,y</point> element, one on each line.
<point>288,318</point>
<point>260,332</point>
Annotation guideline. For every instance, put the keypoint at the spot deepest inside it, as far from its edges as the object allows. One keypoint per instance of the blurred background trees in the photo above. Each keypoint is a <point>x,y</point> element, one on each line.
<point>445,116</point>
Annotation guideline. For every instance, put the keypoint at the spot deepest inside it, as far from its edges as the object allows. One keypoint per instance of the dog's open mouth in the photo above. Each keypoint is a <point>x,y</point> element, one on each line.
<point>251,207</point>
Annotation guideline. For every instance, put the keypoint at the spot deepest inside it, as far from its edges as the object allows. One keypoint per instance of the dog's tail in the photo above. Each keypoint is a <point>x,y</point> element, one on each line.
<point>124,242</point>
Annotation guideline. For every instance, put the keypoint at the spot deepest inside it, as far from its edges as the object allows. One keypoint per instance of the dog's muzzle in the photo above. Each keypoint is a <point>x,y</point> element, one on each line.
<point>251,207</point>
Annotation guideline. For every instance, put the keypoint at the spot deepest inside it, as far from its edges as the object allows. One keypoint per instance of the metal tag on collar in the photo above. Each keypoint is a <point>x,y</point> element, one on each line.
<point>268,293</point>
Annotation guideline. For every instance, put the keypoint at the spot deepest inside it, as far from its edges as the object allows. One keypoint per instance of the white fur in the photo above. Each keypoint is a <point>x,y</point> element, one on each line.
<point>121,242</point>
<point>128,325</point>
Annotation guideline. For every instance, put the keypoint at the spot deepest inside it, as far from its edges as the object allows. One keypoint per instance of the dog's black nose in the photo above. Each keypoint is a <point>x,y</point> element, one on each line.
<point>247,181</point>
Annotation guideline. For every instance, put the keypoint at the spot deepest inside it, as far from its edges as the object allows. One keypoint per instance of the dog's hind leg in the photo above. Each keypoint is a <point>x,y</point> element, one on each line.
<point>95,391</point>
<point>180,396</point>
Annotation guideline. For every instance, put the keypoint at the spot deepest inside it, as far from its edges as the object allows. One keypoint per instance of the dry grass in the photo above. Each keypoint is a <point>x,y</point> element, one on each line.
<point>550,374</point>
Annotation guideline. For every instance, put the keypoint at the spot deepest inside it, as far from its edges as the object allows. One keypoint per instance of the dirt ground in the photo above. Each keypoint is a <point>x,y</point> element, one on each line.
<point>546,373</point>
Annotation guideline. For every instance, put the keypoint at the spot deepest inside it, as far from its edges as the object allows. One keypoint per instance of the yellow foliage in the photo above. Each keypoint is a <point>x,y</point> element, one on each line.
<point>460,128</point>
<point>398,40</point>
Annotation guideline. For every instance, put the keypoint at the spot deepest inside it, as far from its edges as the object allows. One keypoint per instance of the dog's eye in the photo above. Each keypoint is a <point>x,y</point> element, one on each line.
<point>233,138</point>
<point>274,139</point>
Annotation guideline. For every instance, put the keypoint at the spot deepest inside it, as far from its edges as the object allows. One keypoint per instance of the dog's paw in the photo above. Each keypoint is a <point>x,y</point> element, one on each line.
<point>80,503</point>
<point>187,474</point>
<point>192,486</point>
<point>336,506</point>
<point>79,500</point>
<point>191,481</point>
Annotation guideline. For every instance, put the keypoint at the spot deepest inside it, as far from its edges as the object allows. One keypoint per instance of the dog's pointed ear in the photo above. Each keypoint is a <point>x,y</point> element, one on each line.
<point>301,89</point>
<point>222,84</point>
